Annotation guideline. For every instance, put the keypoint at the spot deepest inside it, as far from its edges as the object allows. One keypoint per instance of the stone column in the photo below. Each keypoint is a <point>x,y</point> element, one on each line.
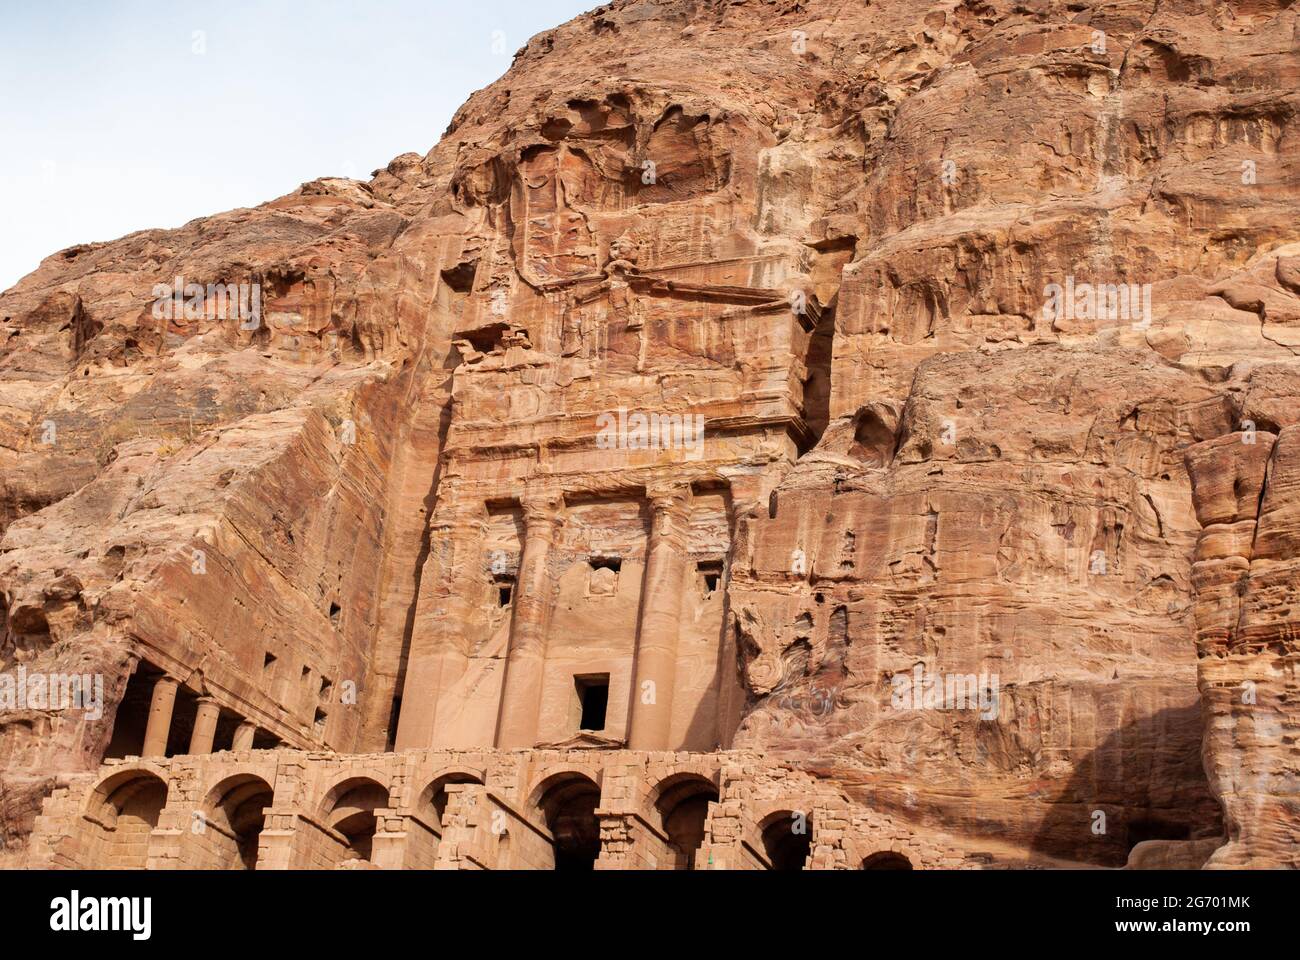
<point>244,736</point>
<point>205,726</point>
<point>521,687</point>
<point>448,603</point>
<point>651,722</point>
<point>160,717</point>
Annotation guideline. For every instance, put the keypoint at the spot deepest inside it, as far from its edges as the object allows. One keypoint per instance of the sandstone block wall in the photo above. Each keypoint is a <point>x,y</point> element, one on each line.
<point>473,810</point>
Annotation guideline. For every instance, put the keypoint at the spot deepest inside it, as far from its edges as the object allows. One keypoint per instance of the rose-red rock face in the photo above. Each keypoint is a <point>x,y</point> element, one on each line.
<point>991,313</point>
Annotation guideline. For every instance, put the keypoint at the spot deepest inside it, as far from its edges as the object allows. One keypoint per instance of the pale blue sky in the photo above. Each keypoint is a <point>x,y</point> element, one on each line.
<point>113,121</point>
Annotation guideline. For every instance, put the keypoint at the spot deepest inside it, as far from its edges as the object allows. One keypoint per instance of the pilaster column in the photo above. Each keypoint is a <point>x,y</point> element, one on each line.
<point>244,736</point>
<point>159,726</point>
<point>521,687</point>
<point>655,672</point>
<point>445,608</point>
<point>205,726</point>
<point>750,496</point>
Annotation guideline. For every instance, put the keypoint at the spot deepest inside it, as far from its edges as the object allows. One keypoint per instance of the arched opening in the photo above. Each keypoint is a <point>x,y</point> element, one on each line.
<point>350,809</point>
<point>787,839</point>
<point>237,808</point>
<point>886,860</point>
<point>683,802</point>
<point>568,803</point>
<point>431,813</point>
<point>126,806</point>
<point>432,805</point>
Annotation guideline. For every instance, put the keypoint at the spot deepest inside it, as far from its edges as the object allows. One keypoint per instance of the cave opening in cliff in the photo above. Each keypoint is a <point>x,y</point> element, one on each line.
<point>486,338</point>
<point>460,278</point>
<point>787,840</point>
<point>817,383</point>
<point>874,441</point>
<point>568,803</point>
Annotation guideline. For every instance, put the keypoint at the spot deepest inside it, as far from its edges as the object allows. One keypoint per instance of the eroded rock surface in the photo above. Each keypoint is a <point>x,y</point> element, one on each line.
<point>991,311</point>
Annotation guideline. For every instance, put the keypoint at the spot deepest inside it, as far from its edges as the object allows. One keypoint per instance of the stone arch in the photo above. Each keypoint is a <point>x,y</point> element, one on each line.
<point>125,807</point>
<point>431,804</point>
<point>349,809</point>
<point>670,773</point>
<point>567,802</point>
<point>234,808</point>
<point>682,801</point>
<point>886,860</point>
<point>787,838</point>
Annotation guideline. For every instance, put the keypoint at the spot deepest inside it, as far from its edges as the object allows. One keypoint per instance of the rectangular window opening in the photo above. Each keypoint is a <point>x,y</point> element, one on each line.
<point>505,590</point>
<point>593,700</point>
<point>710,572</point>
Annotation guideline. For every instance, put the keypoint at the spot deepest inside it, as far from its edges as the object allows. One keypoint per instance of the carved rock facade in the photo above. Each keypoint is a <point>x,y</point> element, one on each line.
<point>766,434</point>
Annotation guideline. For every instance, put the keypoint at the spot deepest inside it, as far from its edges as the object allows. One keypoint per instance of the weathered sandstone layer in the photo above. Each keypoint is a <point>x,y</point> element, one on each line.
<point>991,311</point>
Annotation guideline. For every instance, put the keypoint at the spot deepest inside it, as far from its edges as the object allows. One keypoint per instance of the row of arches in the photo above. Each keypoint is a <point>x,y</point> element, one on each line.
<point>787,842</point>
<point>568,803</point>
<point>226,828</point>
<point>127,807</point>
<point>228,824</point>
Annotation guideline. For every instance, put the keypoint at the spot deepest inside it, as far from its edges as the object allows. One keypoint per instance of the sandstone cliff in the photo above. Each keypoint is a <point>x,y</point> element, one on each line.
<point>1049,399</point>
